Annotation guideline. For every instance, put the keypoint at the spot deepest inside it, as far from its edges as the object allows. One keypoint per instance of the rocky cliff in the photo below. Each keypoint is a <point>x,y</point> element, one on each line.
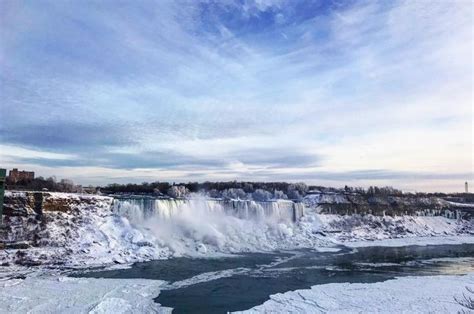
<point>26,215</point>
<point>67,229</point>
<point>353,203</point>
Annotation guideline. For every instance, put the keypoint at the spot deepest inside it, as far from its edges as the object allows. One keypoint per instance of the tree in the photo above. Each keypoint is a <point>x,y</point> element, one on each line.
<point>234,194</point>
<point>248,187</point>
<point>467,301</point>
<point>279,195</point>
<point>261,195</point>
<point>294,195</point>
<point>177,191</point>
<point>66,185</point>
<point>214,193</point>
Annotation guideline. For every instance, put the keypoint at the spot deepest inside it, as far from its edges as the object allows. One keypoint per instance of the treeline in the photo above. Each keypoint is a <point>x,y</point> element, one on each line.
<point>258,191</point>
<point>261,191</point>
<point>132,188</point>
<point>45,184</point>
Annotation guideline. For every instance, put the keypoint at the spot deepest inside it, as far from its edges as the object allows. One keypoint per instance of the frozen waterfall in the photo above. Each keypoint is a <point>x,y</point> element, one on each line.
<point>201,226</point>
<point>138,210</point>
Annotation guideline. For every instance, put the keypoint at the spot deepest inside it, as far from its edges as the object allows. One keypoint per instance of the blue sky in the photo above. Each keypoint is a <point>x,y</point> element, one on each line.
<point>326,92</point>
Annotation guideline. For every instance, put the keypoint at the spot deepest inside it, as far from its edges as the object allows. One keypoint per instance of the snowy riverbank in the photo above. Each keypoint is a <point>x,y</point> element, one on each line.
<point>433,294</point>
<point>406,241</point>
<point>79,295</point>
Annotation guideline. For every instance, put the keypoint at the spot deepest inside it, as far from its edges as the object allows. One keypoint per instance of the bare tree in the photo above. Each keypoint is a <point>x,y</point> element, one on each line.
<point>467,300</point>
<point>177,191</point>
<point>261,195</point>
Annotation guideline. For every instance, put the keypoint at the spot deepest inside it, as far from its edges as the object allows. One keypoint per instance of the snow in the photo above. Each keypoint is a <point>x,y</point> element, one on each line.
<point>204,228</point>
<point>348,228</point>
<point>313,200</point>
<point>79,295</point>
<point>433,294</point>
<point>208,276</point>
<point>91,234</point>
<point>421,241</point>
<point>48,294</point>
<point>328,249</point>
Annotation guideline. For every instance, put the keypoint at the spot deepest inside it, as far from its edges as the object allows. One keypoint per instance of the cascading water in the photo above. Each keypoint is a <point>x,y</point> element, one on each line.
<point>200,225</point>
<point>138,210</point>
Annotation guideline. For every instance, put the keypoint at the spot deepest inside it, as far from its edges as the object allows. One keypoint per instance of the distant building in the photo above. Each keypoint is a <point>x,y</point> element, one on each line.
<point>466,187</point>
<point>15,176</point>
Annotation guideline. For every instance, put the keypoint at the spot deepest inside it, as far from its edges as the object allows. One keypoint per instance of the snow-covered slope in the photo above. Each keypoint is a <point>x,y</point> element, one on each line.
<point>354,203</point>
<point>71,230</point>
<point>355,227</point>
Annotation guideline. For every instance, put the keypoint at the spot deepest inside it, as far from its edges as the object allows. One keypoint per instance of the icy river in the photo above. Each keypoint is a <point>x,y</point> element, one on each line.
<point>240,282</point>
<point>309,261</point>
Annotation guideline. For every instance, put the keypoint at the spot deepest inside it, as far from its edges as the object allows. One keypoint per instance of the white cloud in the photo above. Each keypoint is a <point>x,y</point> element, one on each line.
<point>10,152</point>
<point>374,86</point>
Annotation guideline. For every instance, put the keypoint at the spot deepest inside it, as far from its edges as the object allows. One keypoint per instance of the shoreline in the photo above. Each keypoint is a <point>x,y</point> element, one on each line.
<point>413,294</point>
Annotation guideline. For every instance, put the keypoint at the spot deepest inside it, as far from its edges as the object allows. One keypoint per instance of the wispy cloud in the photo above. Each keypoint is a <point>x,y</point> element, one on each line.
<point>235,88</point>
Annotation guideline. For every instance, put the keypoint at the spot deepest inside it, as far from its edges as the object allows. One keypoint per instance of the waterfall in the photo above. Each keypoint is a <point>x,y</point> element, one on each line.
<point>138,210</point>
<point>187,226</point>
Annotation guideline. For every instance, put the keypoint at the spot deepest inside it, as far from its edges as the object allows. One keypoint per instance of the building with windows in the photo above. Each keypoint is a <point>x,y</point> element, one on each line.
<point>15,176</point>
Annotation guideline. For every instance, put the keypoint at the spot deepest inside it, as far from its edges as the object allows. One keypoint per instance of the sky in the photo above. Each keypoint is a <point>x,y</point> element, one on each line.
<point>324,92</point>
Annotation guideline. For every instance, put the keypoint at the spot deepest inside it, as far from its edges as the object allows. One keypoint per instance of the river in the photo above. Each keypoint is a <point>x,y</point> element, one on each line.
<point>239,282</point>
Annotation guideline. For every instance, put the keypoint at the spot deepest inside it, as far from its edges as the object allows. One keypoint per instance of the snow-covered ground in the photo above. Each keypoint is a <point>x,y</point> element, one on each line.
<point>79,295</point>
<point>434,294</point>
<point>348,228</point>
<point>396,242</point>
<point>46,294</point>
<point>88,233</point>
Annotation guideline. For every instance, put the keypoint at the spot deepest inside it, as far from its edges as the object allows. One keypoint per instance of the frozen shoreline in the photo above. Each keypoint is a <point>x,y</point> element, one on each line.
<point>79,295</point>
<point>420,241</point>
<point>433,294</point>
<point>59,294</point>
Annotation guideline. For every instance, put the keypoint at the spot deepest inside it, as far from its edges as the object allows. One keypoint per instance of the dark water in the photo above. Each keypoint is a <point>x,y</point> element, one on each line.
<point>244,281</point>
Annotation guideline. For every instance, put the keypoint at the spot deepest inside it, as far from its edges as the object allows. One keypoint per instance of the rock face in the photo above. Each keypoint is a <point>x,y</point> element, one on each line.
<point>353,203</point>
<point>68,229</point>
<point>37,220</point>
<point>26,214</point>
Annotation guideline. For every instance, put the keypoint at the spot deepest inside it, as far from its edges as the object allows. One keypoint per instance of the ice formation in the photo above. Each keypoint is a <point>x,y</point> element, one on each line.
<point>80,230</point>
<point>78,295</point>
<point>433,294</point>
<point>201,226</point>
